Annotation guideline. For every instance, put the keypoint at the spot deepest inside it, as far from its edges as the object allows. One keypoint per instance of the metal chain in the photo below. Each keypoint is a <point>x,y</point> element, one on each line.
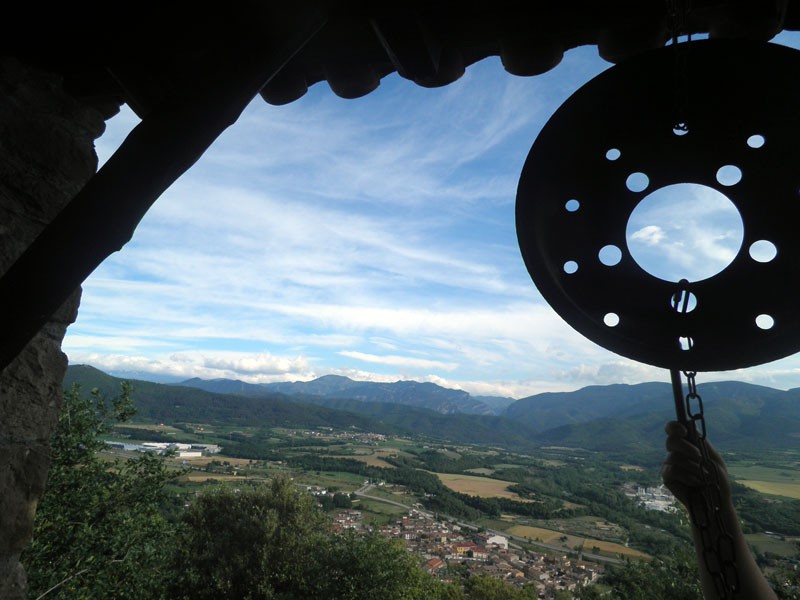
<point>705,505</point>
<point>678,16</point>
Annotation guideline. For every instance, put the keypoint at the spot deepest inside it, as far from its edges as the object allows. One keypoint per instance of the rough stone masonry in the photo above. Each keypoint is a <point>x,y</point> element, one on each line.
<point>46,156</point>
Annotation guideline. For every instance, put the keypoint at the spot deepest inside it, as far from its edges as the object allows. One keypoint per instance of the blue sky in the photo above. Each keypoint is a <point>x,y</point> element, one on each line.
<point>372,238</point>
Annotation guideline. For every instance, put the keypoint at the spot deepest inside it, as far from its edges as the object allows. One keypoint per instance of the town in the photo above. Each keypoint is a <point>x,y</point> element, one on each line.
<point>447,548</point>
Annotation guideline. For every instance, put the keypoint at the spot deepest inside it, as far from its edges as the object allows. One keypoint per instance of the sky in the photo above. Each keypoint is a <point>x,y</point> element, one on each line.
<point>375,238</point>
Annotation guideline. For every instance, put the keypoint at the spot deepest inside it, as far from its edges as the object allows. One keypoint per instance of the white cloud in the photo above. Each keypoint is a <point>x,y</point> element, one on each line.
<point>650,235</point>
<point>400,361</point>
<point>685,231</point>
<point>324,235</point>
<point>621,371</point>
<point>260,364</point>
<point>253,368</point>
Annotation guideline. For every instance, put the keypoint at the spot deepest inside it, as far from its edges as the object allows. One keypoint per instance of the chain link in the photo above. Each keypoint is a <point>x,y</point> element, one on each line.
<point>705,505</point>
<point>678,17</point>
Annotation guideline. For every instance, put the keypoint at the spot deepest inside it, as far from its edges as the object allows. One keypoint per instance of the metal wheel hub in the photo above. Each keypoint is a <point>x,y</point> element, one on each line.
<point>574,199</point>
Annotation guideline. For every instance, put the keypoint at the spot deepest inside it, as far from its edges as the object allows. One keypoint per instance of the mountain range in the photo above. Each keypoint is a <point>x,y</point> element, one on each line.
<point>614,418</point>
<point>408,393</point>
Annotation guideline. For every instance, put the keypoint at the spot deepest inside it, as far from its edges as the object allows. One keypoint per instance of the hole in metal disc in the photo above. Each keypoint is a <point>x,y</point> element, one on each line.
<point>610,255</point>
<point>637,182</point>
<point>684,231</point>
<point>684,297</point>
<point>756,141</point>
<point>765,321</point>
<point>570,267</point>
<point>729,175</point>
<point>613,154</point>
<point>763,251</point>
<point>686,343</point>
<point>680,129</point>
<point>611,319</point>
<point>572,205</point>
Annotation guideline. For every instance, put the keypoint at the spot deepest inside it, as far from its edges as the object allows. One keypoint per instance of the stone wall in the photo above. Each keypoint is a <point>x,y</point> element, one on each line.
<point>46,156</point>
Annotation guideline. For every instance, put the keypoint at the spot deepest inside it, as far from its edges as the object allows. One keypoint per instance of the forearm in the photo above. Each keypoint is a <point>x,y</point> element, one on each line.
<point>752,585</point>
<point>692,470</point>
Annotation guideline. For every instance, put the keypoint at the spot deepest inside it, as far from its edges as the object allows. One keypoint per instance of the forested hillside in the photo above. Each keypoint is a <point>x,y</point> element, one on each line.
<point>616,419</point>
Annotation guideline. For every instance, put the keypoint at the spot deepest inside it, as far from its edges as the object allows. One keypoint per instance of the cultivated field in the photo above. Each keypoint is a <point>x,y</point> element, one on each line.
<point>345,482</point>
<point>772,543</point>
<point>636,468</point>
<point>481,471</point>
<point>612,548</point>
<point>201,477</point>
<point>768,480</point>
<point>479,486</point>
<point>152,427</point>
<point>201,461</point>
<point>775,488</point>
<point>371,456</point>
<point>549,536</point>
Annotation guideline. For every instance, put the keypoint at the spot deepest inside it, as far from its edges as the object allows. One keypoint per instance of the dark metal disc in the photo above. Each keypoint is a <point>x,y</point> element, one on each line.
<point>725,91</point>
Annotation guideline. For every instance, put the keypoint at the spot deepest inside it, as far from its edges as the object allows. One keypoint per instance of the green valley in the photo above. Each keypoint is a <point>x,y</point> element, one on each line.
<point>547,494</point>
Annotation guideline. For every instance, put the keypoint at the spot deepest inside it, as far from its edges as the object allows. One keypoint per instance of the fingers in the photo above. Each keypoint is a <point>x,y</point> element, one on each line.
<point>682,447</point>
<point>681,471</point>
<point>679,443</point>
<point>685,470</point>
<point>674,428</point>
<point>685,473</point>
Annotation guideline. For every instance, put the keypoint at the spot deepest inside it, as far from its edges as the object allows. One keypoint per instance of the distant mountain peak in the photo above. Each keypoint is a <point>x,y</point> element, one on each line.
<point>332,377</point>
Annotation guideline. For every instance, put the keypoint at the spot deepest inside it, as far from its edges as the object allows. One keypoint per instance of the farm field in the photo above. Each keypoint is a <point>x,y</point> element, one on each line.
<point>346,482</point>
<point>479,486</point>
<point>768,480</point>
<point>153,427</point>
<point>393,493</point>
<point>378,507</point>
<point>371,456</point>
<point>550,536</point>
<point>203,477</point>
<point>635,468</point>
<point>774,488</point>
<point>765,542</point>
<point>202,461</point>
<point>612,548</point>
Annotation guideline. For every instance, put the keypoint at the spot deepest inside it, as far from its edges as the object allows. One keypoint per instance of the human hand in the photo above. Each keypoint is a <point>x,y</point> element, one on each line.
<point>683,471</point>
<point>686,474</point>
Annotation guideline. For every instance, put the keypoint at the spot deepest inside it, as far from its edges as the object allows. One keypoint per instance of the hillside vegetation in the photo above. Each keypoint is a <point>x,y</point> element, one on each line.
<point>616,419</point>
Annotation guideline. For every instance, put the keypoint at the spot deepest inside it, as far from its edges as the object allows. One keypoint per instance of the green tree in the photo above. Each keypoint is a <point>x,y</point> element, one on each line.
<point>452,591</point>
<point>341,500</point>
<point>272,542</point>
<point>246,543</point>
<point>355,567</point>
<point>486,587</point>
<point>98,531</point>
<point>785,580</point>
<point>590,592</point>
<point>673,578</point>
